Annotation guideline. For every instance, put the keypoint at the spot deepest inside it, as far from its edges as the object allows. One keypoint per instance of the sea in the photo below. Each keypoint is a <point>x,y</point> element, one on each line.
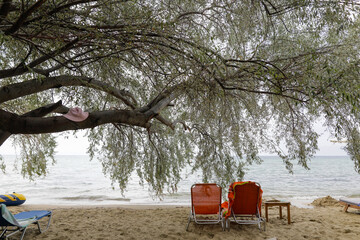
<point>75,180</point>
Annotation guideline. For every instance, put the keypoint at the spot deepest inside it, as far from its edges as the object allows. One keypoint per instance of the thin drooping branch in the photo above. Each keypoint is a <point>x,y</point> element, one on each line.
<point>5,9</point>
<point>23,17</point>
<point>19,70</point>
<point>16,124</point>
<point>237,88</point>
<point>59,9</point>
<point>17,90</point>
<point>39,112</point>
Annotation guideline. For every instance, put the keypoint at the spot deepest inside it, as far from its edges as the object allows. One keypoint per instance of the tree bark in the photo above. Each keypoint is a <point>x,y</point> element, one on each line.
<point>16,124</point>
<point>39,112</point>
<point>17,90</point>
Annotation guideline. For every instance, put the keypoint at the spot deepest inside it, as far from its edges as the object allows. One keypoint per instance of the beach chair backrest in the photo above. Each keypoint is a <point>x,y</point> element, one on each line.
<point>247,199</point>
<point>6,217</point>
<point>206,198</point>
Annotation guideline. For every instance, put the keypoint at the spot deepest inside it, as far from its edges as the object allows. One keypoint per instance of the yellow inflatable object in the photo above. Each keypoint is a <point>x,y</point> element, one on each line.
<point>12,199</point>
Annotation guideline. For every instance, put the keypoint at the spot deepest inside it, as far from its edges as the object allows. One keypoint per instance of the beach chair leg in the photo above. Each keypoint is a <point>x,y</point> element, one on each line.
<point>261,221</point>
<point>189,220</point>
<point>23,233</point>
<point>3,232</point>
<point>47,226</point>
<point>227,224</point>
<point>346,207</point>
<point>264,222</point>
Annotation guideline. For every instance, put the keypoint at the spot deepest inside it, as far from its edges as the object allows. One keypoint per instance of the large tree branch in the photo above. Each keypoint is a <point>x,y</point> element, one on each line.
<point>163,99</point>
<point>39,112</point>
<point>16,124</point>
<point>17,90</point>
<point>43,111</point>
<point>161,103</point>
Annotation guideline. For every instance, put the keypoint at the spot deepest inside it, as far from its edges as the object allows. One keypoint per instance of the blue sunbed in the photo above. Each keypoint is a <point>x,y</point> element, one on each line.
<point>11,224</point>
<point>350,202</point>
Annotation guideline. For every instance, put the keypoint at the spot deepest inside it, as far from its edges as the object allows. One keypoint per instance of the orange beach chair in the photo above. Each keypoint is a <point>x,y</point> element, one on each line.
<point>205,204</point>
<point>244,205</point>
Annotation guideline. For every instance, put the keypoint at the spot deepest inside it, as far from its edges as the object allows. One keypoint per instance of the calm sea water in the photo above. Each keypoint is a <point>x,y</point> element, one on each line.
<point>75,180</point>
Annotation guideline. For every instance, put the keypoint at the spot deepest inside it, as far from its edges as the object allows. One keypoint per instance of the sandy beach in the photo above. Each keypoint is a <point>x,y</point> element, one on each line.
<point>326,220</point>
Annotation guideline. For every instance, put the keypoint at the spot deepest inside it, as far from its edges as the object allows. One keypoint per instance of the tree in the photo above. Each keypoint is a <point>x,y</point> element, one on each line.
<point>170,83</point>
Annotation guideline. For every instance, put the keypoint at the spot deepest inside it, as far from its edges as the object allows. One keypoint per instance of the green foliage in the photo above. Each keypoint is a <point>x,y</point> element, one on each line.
<point>2,164</point>
<point>37,151</point>
<point>248,76</point>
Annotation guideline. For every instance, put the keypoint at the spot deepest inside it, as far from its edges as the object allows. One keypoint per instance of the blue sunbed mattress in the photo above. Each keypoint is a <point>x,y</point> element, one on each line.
<point>352,201</point>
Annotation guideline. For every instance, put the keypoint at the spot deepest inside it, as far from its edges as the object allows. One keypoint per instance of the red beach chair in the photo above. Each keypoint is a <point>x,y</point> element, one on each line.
<point>205,204</point>
<point>244,205</point>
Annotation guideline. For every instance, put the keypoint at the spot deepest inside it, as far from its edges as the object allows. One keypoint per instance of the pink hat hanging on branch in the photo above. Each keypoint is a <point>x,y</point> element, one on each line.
<point>76,114</point>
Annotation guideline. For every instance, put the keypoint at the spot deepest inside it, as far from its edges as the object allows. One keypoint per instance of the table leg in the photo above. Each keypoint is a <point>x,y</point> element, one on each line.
<point>288,213</point>
<point>280,212</point>
<point>266,212</point>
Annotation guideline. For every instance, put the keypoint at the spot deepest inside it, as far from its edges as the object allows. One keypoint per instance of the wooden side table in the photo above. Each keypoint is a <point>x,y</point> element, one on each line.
<point>280,204</point>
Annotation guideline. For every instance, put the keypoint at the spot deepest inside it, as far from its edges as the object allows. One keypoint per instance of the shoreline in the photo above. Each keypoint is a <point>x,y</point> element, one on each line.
<point>297,202</point>
<point>326,220</point>
<point>301,201</point>
<point>302,204</point>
